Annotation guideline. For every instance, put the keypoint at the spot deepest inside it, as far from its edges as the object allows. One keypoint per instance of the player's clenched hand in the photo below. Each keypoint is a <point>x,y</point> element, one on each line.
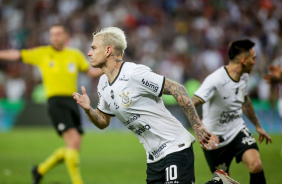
<point>262,135</point>
<point>83,100</point>
<point>203,136</point>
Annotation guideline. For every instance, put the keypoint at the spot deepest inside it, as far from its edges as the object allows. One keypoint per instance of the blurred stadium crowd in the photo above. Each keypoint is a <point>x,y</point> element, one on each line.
<point>180,39</point>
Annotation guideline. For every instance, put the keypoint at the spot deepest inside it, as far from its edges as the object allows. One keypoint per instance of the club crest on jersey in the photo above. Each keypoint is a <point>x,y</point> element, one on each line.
<point>112,94</point>
<point>126,101</point>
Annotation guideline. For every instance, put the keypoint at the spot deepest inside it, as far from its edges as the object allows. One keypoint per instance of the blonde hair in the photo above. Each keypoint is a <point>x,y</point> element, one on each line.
<point>112,36</point>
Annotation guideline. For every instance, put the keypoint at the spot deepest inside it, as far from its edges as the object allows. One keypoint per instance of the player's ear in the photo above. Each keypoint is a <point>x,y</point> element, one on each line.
<point>243,60</point>
<point>108,51</point>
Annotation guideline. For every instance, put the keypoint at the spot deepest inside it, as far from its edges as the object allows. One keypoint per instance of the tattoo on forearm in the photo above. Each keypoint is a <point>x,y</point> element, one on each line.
<point>180,94</point>
<point>96,117</point>
<point>249,111</point>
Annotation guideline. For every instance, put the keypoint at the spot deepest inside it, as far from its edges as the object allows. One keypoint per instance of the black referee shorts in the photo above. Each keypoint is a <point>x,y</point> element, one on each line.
<point>64,114</point>
<point>177,167</point>
<point>221,158</point>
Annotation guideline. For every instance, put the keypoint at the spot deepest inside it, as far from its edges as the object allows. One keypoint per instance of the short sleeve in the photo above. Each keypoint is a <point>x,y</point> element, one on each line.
<point>246,79</point>
<point>83,64</point>
<point>207,89</point>
<point>102,104</point>
<point>147,82</point>
<point>32,56</point>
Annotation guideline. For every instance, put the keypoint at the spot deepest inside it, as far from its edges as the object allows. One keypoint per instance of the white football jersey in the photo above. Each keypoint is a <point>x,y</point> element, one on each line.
<point>134,97</point>
<point>222,110</point>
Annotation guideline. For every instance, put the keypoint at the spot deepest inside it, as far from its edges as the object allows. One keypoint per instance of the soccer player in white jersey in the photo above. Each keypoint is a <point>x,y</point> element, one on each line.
<point>224,97</point>
<point>132,93</point>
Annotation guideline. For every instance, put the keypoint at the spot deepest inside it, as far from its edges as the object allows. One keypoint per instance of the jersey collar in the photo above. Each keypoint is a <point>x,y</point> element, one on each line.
<point>117,75</point>
<point>230,76</point>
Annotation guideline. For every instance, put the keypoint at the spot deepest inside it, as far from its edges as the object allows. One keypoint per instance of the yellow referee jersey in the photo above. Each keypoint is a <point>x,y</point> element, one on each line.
<point>59,69</point>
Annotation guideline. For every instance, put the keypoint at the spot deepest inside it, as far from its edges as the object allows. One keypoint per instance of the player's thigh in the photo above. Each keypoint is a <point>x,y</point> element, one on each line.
<point>251,159</point>
<point>177,167</point>
<point>243,142</point>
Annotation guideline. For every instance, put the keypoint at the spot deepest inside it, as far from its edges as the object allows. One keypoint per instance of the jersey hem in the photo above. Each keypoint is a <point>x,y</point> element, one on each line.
<point>169,152</point>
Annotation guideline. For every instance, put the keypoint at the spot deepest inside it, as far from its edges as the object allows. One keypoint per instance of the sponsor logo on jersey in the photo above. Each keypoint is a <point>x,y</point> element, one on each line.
<point>123,79</point>
<point>126,101</point>
<point>139,130</point>
<point>158,152</point>
<point>229,116</point>
<point>106,85</point>
<point>150,84</point>
<point>132,119</point>
<point>143,129</point>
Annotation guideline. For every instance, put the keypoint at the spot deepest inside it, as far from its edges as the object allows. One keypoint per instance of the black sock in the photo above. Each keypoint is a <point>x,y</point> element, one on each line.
<point>257,178</point>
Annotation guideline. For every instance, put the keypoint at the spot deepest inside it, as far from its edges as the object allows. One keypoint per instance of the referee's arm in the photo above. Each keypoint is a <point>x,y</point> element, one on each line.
<point>10,55</point>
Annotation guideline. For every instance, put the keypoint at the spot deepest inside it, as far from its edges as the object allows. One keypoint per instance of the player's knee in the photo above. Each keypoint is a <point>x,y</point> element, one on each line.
<point>255,167</point>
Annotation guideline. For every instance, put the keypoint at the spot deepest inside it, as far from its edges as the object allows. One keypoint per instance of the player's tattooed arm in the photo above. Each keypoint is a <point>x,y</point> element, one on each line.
<point>249,111</point>
<point>98,118</point>
<point>181,96</point>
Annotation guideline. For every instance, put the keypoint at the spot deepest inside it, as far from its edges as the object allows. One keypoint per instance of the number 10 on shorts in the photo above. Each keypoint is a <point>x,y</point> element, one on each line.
<point>171,173</point>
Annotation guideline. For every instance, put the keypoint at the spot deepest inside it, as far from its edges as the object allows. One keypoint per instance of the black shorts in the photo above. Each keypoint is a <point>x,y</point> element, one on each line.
<point>64,114</point>
<point>221,158</point>
<point>177,167</point>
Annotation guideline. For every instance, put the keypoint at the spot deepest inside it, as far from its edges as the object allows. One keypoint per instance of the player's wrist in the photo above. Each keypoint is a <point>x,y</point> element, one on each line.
<point>87,110</point>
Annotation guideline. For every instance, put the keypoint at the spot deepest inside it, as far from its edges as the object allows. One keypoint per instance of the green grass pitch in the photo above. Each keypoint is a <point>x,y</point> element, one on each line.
<point>108,157</point>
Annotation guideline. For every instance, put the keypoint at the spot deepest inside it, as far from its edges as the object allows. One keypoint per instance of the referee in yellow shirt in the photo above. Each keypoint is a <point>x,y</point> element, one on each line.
<point>59,66</point>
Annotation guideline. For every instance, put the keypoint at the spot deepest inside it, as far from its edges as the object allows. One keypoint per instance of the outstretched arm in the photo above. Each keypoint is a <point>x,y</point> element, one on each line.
<point>181,96</point>
<point>248,110</point>
<point>98,118</point>
<point>10,55</point>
